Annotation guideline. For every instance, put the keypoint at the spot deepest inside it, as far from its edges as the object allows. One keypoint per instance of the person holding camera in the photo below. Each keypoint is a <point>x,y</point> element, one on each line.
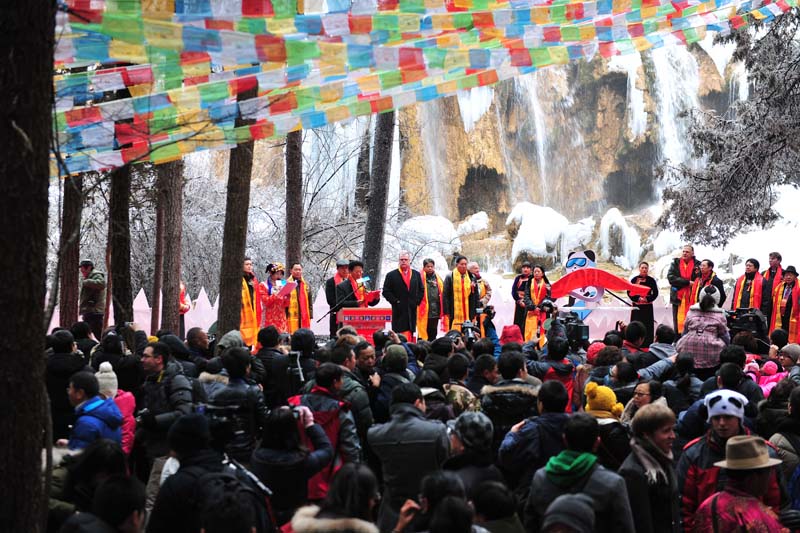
<point>284,464</point>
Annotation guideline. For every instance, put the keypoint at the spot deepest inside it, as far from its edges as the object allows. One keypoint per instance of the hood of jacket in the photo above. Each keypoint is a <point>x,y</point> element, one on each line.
<point>104,410</point>
<point>232,339</point>
<point>468,458</point>
<point>179,349</point>
<point>511,387</point>
<point>305,520</point>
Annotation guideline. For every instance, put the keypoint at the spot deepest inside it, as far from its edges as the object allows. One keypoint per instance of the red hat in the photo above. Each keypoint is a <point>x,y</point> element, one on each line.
<point>593,350</point>
<point>511,334</point>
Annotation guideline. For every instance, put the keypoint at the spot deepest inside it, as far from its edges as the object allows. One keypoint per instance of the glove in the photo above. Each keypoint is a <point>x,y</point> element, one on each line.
<point>146,420</point>
<point>790,519</point>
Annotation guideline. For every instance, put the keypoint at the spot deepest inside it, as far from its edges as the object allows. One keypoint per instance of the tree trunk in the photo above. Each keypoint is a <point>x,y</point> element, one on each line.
<point>120,231</point>
<point>378,194</point>
<point>26,125</point>
<point>234,236</point>
<point>294,198</point>
<point>69,248</point>
<point>155,307</point>
<point>173,232</point>
<point>362,168</point>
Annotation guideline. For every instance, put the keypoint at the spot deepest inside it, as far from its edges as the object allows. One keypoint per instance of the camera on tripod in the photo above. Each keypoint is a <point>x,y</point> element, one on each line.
<point>749,319</point>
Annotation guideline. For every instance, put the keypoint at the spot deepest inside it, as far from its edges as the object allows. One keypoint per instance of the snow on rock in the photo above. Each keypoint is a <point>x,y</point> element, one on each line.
<point>576,237</point>
<point>536,231</point>
<point>667,242</point>
<point>423,236</point>
<point>473,104</point>
<point>619,242</point>
<point>474,224</point>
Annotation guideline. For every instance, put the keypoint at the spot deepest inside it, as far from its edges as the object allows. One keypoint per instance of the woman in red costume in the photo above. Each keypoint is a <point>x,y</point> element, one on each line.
<point>273,306</point>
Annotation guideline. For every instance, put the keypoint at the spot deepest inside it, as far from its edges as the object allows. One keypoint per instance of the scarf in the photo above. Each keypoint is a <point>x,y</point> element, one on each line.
<point>652,460</point>
<point>462,289</point>
<point>533,318</point>
<point>249,319</point>
<point>755,291</point>
<point>360,292</point>
<point>698,284</point>
<point>298,314</point>
<point>422,310</point>
<point>406,278</point>
<point>778,273</point>
<point>779,303</point>
<point>569,466</point>
<point>687,269</point>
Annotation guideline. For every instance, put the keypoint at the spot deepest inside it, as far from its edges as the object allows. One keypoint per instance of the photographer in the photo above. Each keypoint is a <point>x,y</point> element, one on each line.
<point>284,464</point>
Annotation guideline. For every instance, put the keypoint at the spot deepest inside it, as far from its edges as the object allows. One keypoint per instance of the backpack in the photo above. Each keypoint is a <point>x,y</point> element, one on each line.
<point>235,479</point>
<point>329,421</point>
<point>793,487</point>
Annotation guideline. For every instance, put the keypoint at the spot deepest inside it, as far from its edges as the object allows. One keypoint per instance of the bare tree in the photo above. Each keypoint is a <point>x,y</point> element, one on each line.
<point>173,224</point>
<point>26,88</point>
<point>69,246</point>
<point>235,232</point>
<point>294,198</point>
<point>378,194</point>
<point>120,244</point>
<point>362,170</point>
<point>158,256</point>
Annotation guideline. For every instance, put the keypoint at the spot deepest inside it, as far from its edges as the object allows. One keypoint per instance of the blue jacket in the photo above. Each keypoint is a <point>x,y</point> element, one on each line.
<point>96,419</point>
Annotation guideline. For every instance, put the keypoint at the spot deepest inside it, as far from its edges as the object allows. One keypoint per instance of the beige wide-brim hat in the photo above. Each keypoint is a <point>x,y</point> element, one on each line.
<point>745,452</point>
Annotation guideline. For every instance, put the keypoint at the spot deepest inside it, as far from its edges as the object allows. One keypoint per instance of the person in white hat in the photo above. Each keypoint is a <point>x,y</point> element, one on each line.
<point>698,469</point>
<point>739,506</point>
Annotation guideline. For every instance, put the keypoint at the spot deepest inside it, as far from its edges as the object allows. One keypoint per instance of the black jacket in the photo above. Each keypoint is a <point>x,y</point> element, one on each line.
<point>346,297</point>
<point>60,366</point>
<point>409,447</point>
<point>747,387</point>
<point>522,453</point>
<point>614,443</point>
<point>404,300</point>
<point>381,401</point>
<point>438,363</point>
<point>655,505</point>
<point>476,384</point>
<point>507,403</point>
<point>473,468</point>
<point>128,368</point>
<point>175,510</point>
<point>677,282</point>
<point>286,472</point>
<point>447,298</point>
<point>243,404</point>
<point>168,396</point>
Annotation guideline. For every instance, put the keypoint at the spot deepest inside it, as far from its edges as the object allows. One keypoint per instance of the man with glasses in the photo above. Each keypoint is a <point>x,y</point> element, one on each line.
<point>788,359</point>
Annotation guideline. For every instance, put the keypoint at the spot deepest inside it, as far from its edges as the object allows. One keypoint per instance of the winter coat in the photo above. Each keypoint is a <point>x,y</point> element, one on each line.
<point>167,395</point>
<point>409,447</point>
<point>678,399</point>
<point>60,366</point>
<point>181,354</point>
<point>770,415</point>
<point>86,523</point>
<point>677,282</point>
<point>355,394</point>
<point>506,404</point>
<point>705,334</point>
<point>97,418</point>
<point>638,357</point>
<point>655,501</point>
<point>473,467</point>
<point>437,363</point>
<point>213,383</point>
<point>404,300</point>
<point>662,350</point>
<point>126,404</point>
<point>614,443</point>
<point>460,398</point>
<point>698,478</point>
<point>127,367</point>
<point>747,388</point>
<point>381,401</point>
<point>563,371</point>
<point>174,510</point>
<point>476,383</point>
<point>93,293</point>
<point>244,403</point>
<point>734,510</point>
<point>526,451</point>
<point>436,406</point>
<point>286,472</point>
<point>786,450</point>
<point>276,368</point>
<point>605,487</point>
<point>307,520</point>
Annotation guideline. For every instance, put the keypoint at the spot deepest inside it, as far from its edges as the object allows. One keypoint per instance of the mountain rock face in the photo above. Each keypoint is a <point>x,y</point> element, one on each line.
<point>580,138</point>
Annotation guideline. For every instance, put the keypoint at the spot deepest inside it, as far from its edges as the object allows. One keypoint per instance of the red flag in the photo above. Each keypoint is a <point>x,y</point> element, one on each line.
<point>594,277</point>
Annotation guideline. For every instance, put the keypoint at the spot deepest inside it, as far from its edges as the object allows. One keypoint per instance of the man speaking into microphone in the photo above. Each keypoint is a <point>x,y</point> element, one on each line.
<point>403,289</point>
<point>352,292</point>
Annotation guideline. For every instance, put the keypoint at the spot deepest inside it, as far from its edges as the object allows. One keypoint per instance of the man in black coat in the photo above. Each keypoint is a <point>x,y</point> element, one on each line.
<point>403,289</point>
<point>61,364</point>
<point>330,292</point>
<point>682,272</point>
<point>352,292</point>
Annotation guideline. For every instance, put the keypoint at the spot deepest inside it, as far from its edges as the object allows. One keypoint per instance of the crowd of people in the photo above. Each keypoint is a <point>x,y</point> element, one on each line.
<point>446,431</point>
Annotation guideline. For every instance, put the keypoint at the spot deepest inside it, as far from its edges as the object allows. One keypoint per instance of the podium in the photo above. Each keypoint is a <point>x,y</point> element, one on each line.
<point>366,320</point>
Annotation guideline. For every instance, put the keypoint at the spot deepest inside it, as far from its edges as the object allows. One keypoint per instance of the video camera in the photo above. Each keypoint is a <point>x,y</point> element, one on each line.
<point>575,330</point>
<point>470,332</point>
<point>752,320</point>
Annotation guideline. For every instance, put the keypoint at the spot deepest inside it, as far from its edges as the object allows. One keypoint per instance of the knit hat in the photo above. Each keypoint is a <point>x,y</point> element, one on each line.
<point>442,346</point>
<point>474,430</point>
<point>107,380</point>
<point>725,402</point>
<point>575,511</point>
<point>602,398</point>
<point>342,263</point>
<point>593,350</point>
<point>769,368</point>
<point>712,291</point>
<point>189,433</point>
<point>792,350</point>
<point>511,334</point>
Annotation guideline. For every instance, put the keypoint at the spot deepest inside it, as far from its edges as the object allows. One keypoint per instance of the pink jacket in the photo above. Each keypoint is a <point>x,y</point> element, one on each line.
<point>127,405</point>
<point>767,383</point>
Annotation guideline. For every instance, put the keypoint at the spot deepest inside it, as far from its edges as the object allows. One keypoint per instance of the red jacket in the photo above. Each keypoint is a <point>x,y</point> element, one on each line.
<point>698,478</point>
